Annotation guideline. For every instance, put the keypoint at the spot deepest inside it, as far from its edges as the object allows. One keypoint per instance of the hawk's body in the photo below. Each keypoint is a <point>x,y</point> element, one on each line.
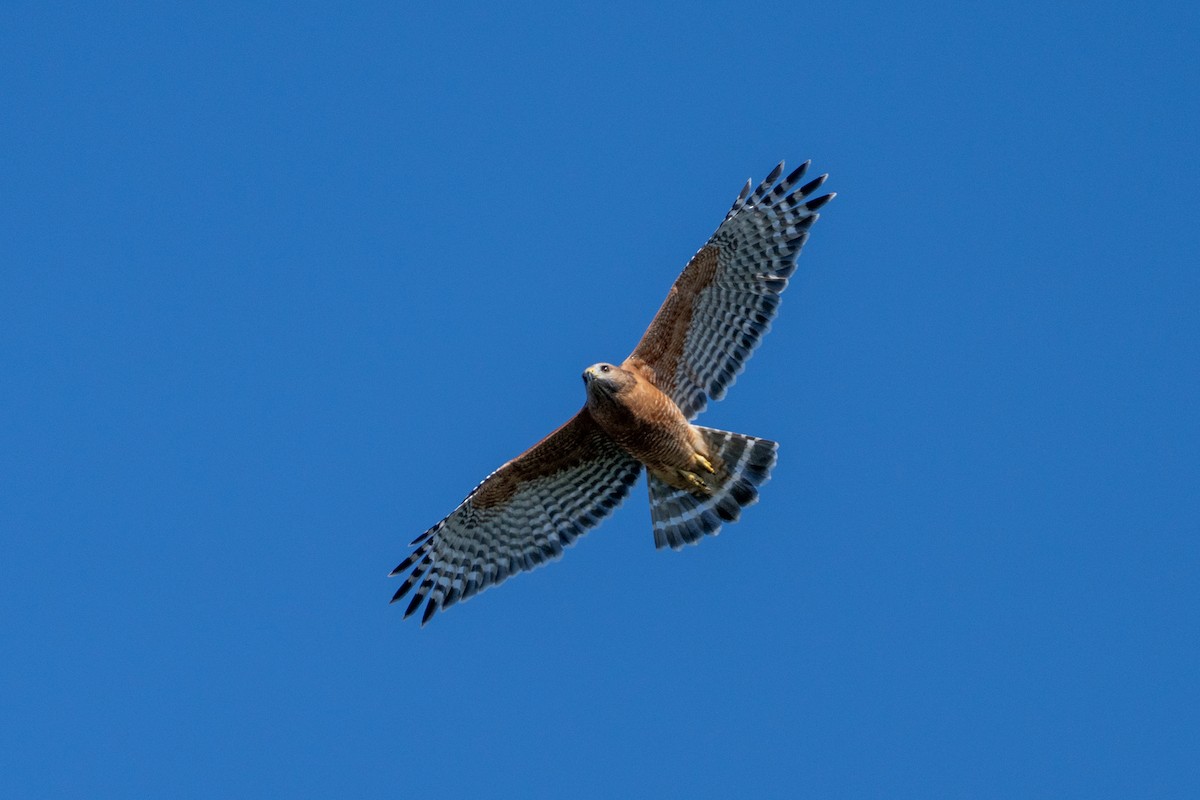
<point>638,414</point>
<point>645,423</point>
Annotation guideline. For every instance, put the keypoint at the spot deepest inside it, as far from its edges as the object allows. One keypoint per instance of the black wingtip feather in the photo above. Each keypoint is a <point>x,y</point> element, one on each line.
<point>408,562</point>
<point>766,185</point>
<point>430,608</point>
<point>740,199</point>
<point>813,205</point>
<point>413,605</point>
<point>812,185</point>
<point>403,590</point>
<point>787,183</point>
<point>798,173</point>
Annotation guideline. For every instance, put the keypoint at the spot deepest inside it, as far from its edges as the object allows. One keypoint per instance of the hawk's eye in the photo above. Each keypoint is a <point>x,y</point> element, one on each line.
<point>604,368</point>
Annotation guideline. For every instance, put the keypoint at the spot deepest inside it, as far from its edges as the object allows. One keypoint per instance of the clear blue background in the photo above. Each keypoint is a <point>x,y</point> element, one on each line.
<point>280,283</point>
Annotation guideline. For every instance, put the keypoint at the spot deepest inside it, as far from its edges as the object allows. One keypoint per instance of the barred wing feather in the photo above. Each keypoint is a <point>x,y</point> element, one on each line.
<point>519,517</point>
<point>722,304</point>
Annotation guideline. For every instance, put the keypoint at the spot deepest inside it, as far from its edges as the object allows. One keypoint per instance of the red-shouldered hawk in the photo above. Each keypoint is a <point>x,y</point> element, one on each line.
<point>637,414</point>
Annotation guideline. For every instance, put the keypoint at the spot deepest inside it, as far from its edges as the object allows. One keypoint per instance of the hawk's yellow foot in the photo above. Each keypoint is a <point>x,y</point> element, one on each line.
<point>699,487</point>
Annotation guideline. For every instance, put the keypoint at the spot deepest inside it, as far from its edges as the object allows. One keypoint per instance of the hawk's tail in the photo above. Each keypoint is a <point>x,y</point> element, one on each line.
<point>743,462</point>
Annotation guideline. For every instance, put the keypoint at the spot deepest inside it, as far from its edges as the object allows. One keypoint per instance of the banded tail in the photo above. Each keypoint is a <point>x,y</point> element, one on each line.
<point>680,518</point>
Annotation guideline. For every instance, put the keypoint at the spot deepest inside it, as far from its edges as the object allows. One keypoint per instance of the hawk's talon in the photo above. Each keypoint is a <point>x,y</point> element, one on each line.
<point>705,464</point>
<point>700,487</point>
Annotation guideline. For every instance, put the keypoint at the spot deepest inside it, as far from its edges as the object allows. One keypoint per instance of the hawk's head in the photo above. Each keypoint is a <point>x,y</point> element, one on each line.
<point>604,381</point>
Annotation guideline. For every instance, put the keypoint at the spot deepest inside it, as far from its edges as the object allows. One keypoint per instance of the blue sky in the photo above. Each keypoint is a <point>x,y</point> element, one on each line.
<point>281,283</point>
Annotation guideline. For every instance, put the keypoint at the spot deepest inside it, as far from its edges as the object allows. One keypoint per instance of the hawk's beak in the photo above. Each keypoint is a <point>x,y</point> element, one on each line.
<point>589,374</point>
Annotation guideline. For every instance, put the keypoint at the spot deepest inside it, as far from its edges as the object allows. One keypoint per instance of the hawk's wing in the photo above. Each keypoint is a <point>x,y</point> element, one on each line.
<point>725,299</point>
<point>522,515</point>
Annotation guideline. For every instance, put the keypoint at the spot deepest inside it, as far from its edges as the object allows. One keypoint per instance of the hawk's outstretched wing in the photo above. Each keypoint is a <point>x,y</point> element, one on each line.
<point>521,516</point>
<point>725,299</point>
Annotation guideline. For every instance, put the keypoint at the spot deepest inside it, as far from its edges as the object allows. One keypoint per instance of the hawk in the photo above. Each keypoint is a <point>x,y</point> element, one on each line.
<point>638,415</point>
